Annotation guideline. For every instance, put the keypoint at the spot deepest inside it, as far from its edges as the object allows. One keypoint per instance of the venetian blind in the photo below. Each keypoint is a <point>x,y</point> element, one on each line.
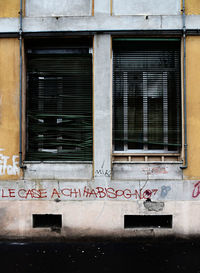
<point>146,94</point>
<point>59,102</point>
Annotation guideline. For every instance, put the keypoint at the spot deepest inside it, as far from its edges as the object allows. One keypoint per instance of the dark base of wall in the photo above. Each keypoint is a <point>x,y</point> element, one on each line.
<point>101,239</point>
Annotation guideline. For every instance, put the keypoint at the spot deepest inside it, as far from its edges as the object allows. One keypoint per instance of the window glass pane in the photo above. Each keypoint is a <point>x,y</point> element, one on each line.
<point>146,95</point>
<point>119,113</point>
<point>155,110</point>
<point>59,103</point>
<point>135,111</point>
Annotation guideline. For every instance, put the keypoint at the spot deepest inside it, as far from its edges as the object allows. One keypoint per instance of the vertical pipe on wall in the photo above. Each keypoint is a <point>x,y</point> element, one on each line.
<point>184,89</point>
<point>20,87</point>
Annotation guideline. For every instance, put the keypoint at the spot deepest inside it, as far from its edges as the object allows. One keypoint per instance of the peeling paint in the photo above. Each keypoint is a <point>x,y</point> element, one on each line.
<point>153,206</point>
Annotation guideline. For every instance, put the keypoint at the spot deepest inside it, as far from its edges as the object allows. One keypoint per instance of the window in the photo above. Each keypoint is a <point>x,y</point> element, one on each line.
<point>59,100</point>
<point>146,95</point>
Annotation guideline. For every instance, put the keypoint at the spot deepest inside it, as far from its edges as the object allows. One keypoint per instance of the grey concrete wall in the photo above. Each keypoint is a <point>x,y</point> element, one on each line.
<point>37,8</point>
<point>94,219</point>
<point>146,7</point>
<point>58,171</point>
<point>102,212</point>
<point>102,106</point>
<point>100,22</point>
<point>151,171</point>
<point>102,7</point>
<point>100,190</point>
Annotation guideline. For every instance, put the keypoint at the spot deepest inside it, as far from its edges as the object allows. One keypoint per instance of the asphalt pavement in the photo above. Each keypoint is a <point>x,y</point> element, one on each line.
<point>99,256</point>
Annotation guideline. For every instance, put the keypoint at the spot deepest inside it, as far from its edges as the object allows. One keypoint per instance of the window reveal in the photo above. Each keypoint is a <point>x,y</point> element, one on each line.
<point>146,96</point>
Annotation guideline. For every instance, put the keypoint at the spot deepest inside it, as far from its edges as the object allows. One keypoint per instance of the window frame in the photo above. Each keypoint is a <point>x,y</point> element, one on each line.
<point>52,160</point>
<point>145,151</point>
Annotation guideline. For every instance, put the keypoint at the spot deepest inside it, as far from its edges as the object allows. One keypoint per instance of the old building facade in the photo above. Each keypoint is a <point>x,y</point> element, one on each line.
<point>99,118</point>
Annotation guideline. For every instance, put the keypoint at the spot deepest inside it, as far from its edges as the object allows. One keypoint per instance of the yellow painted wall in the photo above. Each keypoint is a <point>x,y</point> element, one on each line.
<point>9,104</point>
<point>193,106</point>
<point>9,8</point>
<point>192,6</point>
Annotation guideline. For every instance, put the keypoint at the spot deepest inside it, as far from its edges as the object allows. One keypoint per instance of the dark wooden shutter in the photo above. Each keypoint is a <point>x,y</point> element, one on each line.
<point>59,102</point>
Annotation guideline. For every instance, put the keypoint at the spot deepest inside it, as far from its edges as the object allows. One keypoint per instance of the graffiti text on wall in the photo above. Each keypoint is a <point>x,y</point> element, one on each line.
<point>5,168</point>
<point>196,190</point>
<point>102,172</point>
<point>77,193</point>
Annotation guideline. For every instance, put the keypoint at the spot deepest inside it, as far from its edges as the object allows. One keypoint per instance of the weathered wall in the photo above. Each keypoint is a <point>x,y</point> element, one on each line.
<point>116,189</point>
<point>81,219</point>
<point>9,108</point>
<point>102,7</point>
<point>146,7</point>
<point>35,8</point>
<point>9,8</point>
<point>102,105</point>
<point>193,106</point>
<point>102,212</point>
<point>100,191</point>
<point>192,6</point>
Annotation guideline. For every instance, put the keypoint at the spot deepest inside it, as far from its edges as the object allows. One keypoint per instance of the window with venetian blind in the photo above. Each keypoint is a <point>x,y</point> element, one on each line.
<point>59,100</point>
<point>146,95</point>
